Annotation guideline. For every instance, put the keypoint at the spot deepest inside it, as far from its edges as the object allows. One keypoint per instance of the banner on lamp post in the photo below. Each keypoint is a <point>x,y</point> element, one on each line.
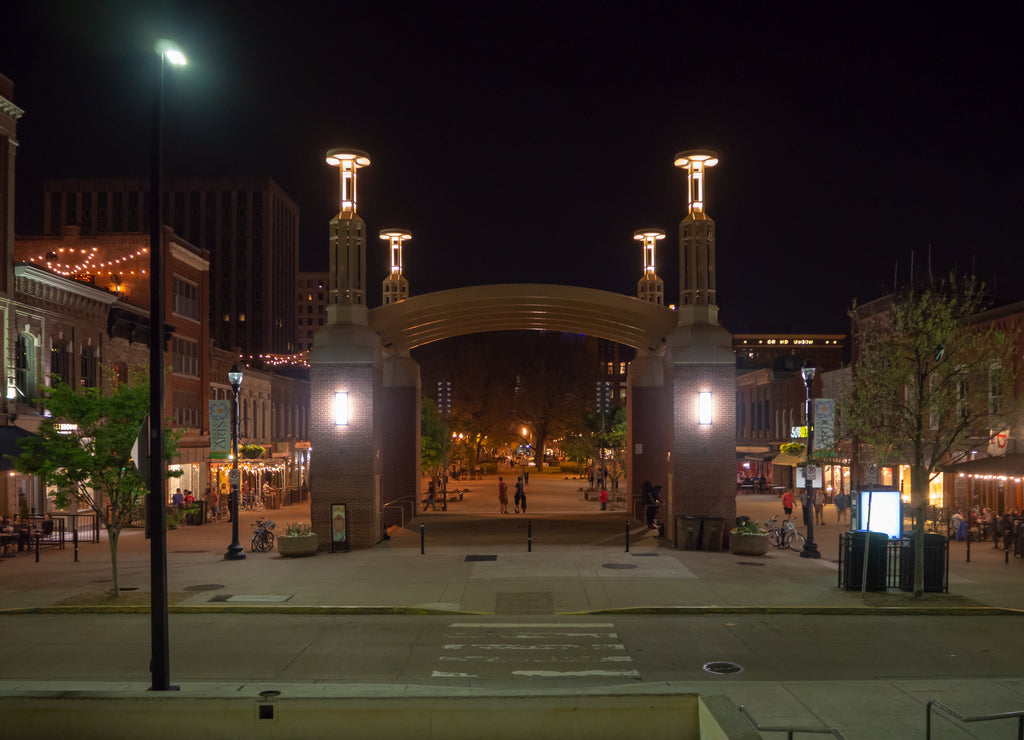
<point>220,429</point>
<point>824,423</point>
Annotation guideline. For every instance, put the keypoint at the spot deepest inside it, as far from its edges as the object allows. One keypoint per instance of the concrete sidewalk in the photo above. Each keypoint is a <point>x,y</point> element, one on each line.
<point>565,557</point>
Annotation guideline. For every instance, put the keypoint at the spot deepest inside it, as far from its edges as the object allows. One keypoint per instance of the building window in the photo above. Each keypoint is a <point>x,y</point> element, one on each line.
<point>60,361</point>
<point>995,387</point>
<point>88,376</point>
<point>186,357</point>
<point>23,367</point>
<point>186,409</point>
<point>186,299</point>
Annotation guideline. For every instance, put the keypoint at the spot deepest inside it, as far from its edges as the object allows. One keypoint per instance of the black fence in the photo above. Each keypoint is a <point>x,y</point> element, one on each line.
<point>890,563</point>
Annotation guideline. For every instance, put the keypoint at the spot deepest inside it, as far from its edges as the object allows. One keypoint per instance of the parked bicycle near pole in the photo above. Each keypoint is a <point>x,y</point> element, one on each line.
<point>262,537</point>
<point>785,536</point>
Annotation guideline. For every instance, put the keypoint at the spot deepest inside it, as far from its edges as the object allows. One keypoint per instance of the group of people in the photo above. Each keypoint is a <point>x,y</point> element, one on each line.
<point>183,500</point>
<point>985,521</point>
<point>840,500</point>
<point>519,498</point>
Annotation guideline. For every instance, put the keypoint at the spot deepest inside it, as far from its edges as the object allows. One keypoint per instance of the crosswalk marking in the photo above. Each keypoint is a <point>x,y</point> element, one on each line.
<point>494,650</point>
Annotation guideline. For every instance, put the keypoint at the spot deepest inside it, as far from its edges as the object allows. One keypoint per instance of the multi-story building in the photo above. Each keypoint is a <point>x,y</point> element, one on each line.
<point>310,308</point>
<point>788,351</point>
<point>248,226</point>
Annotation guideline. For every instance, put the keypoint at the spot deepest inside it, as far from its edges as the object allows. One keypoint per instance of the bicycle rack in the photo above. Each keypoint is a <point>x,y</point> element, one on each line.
<point>1019,714</point>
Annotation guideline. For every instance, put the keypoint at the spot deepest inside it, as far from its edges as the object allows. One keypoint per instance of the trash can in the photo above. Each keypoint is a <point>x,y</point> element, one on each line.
<point>711,532</point>
<point>688,532</point>
<point>934,562</point>
<point>853,560</point>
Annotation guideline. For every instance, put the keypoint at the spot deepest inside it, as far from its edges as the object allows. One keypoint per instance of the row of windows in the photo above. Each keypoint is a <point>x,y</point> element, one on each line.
<point>186,357</point>
<point>186,299</point>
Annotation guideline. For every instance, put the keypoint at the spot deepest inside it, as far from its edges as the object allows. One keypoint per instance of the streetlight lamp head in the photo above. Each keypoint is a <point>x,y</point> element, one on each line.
<point>235,377</point>
<point>171,52</point>
<point>807,371</point>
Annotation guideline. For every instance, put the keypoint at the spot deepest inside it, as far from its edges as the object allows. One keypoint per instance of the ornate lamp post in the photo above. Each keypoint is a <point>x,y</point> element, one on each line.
<point>810,549</point>
<point>235,551</point>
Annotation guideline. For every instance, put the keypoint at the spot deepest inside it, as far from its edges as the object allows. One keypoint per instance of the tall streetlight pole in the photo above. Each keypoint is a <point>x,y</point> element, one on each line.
<point>156,512</point>
<point>810,549</point>
<point>444,403</point>
<point>235,551</point>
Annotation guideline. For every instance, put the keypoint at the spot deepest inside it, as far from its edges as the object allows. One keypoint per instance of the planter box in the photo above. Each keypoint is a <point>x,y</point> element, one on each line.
<point>748,544</point>
<point>297,547</point>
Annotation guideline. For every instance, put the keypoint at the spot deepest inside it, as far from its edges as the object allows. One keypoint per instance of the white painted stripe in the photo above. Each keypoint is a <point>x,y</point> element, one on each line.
<point>541,635</point>
<point>533,625</point>
<point>575,674</point>
<point>570,646</point>
<point>442,674</point>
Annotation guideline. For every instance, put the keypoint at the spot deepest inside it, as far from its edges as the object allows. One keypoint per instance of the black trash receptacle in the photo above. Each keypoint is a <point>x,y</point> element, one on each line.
<point>711,532</point>
<point>688,532</point>
<point>934,563</point>
<point>853,560</point>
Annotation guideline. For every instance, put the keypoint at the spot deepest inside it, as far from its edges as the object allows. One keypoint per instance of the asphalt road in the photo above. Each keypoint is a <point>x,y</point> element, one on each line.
<point>513,652</point>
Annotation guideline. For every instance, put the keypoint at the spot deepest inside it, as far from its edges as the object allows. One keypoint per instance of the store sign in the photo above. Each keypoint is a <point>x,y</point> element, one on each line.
<point>798,433</point>
<point>998,444</point>
<point>824,423</point>
<point>220,429</point>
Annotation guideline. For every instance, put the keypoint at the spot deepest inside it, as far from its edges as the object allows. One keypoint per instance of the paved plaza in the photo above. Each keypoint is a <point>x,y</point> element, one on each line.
<point>809,653</point>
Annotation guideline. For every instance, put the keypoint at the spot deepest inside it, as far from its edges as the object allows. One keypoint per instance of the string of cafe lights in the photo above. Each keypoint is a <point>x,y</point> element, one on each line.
<point>991,476</point>
<point>300,359</point>
<point>53,261</point>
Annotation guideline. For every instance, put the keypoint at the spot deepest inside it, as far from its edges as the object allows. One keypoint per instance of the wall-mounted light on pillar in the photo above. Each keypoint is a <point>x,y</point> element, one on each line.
<point>704,407</point>
<point>341,408</point>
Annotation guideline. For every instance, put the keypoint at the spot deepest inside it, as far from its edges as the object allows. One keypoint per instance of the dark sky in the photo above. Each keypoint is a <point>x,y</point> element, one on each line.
<point>526,143</point>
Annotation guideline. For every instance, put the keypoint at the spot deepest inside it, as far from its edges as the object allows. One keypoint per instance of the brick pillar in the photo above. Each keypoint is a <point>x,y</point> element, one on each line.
<point>346,458</point>
<point>648,440</point>
<point>401,401</point>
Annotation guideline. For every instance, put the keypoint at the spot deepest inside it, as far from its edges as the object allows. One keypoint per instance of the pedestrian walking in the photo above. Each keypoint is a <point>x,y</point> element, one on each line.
<point>842,504</point>
<point>604,498</point>
<point>213,502</point>
<point>502,496</point>
<point>431,496</point>
<point>520,496</point>
<point>787,503</point>
<point>819,507</point>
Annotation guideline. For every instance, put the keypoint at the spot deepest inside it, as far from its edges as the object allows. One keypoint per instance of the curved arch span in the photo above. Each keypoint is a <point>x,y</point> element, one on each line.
<point>450,313</point>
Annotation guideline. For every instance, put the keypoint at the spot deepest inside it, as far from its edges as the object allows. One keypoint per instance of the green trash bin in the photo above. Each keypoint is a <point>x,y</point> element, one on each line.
<point>688,532</point>
<point>853,560</point>
<point>934,562</point>
<point>711,532</point>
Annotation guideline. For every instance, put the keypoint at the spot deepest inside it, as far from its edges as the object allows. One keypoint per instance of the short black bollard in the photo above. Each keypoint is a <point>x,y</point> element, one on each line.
<point>421,539</point>
<point>529,536</point>
<point>627,535</point>
<point>1006,547</point>
<point>968,545</point>
<point>37,546</point>
<point>75,537</point>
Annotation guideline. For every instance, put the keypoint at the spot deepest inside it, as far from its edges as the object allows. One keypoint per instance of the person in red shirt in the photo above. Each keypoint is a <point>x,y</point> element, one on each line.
<point>787,503</point>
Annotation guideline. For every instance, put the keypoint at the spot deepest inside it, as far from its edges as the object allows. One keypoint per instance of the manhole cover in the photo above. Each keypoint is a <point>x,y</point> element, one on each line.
<point>722,667</point>
<point>750,562</point>
<point>644,554</point>
<point>204,587</point>
<point>480,558</point>
<point>619,566</point>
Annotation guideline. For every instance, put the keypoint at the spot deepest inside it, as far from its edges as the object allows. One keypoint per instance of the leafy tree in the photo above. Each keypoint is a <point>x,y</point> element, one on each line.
<point>430,440</point>
<point>83,451</point>
<point>932,379</point>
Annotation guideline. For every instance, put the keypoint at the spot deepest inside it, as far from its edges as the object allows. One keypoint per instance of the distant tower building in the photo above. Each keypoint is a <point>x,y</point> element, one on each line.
<point>396,287</point>
<point>650,288</point>
<point>310,307</point>
<point>697,239</point>
<point>9,115</point>
<point>348,237</point>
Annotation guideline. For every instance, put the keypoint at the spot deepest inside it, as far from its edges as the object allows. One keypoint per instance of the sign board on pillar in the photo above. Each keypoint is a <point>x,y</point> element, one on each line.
<point>233,478</point>
<point>817,477</point>
<point>339,527</point>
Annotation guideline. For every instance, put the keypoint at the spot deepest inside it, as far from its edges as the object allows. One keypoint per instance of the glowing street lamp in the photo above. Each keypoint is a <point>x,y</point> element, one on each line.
<point>650,288</point>
<point>810,549</point>
<point>235,551</point>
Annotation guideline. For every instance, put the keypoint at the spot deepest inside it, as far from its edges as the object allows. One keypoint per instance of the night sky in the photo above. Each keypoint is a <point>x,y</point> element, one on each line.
<point>526,143</point>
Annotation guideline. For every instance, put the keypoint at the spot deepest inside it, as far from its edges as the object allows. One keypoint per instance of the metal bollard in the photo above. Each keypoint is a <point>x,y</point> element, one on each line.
<point>37,546</point>
<point>1006,547</point>
<point>75,538</point>
<point>968,544</point>
<point>529,536</point>
<point>421,539</point>
<point>627,535</point>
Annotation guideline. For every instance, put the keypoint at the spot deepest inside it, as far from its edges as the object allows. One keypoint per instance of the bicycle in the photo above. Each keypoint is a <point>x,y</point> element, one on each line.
<point>784,537</point>
<point>262,537</point>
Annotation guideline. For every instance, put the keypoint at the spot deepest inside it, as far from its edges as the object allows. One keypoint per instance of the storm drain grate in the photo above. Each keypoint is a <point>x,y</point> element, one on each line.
<point>751,562</point>
<point>644,554</point>
<point>722,667</point>
<point>205,587</point>
<point>480,558</point>
<point>619,566</point>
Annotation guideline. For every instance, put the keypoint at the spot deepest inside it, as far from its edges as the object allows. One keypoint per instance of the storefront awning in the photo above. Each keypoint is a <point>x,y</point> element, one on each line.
<point>785,459</point>
<point>1010,466</point>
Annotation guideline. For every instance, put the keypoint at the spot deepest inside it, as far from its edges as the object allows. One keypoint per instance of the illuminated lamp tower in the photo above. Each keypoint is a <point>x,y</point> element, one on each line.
<point>347,282</point>
<point>396,287</point>
<point>697,241</point>
<point>650,287</point>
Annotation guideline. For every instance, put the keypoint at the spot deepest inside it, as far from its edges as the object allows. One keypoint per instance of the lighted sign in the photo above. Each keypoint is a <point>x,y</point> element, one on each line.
<point>341,408</point>
<point>704,407</point>
<point>798,432</point>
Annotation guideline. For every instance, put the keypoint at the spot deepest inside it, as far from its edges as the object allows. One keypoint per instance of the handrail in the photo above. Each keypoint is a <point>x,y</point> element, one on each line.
<point>1019,714</point>
<point>401,502</point>
<point>790,730</point>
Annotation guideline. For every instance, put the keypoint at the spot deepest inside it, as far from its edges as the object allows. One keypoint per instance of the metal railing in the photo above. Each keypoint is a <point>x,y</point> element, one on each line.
<point>1019,714</point>
<point>400,503</point>
<point>790,731</point>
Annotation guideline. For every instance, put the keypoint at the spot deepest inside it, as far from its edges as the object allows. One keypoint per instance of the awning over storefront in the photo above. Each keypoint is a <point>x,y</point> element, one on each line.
<point>785,459</point>
<point>1003,466</point>
<point>9,437</point>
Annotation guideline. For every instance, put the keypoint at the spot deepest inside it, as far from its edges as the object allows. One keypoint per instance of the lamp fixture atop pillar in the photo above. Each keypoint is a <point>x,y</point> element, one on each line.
<point>235,551</point>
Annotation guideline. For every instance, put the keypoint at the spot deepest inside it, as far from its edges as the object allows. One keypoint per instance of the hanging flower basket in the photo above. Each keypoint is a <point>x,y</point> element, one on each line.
<point>792,448</point>
<point>251,452</point>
